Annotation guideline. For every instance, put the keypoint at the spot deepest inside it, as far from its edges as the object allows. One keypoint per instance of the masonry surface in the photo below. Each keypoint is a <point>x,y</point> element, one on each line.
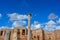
<point>22,34</point>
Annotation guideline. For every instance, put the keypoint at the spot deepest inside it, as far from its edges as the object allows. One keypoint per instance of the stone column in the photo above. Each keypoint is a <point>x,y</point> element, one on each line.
<point>14,36</point>
<point>7,35</point>
<point>29,28</point>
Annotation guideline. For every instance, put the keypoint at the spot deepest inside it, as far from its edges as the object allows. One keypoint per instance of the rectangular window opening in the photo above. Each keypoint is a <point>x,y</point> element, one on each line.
<point>18,32</point>
<point>1,33</point>
<point>23,32</point>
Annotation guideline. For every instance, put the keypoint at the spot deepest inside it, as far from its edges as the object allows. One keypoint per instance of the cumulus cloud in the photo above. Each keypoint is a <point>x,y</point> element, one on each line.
<point>4,27</point>
<point>18,19</point>
<point>58,28</point>
<point>12,27</point>
<point>16,16</point>
<point>35,25</point>
<point>19,23</point>
<point>58,21</point>
<point>58,24</point>
<point>0,15</point>
<point>52,16</point>
<point>50,26</point>
<point>50,22</point>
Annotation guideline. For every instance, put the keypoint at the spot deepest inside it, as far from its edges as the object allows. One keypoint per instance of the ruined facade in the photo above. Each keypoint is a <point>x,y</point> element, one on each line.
<point>21,34</point>
<point>57,34</point>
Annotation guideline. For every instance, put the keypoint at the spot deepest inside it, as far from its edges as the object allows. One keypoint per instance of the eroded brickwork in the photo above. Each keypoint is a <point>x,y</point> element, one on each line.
<point>49,35</point>
<point>57,35</point>
<point>38,34</point>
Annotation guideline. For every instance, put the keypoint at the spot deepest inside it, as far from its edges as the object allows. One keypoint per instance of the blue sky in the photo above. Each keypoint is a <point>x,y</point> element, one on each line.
<point>40,10</point>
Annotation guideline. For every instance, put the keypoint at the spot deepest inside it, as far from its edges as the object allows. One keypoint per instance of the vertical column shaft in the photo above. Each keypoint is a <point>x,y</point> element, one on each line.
<point>29,28</point>
<point>14,34</point>
<point>7,35</point>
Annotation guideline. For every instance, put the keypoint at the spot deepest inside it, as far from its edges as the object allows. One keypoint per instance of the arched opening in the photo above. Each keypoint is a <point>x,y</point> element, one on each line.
<point>34,38</point>
<point>18,34</point>
<point>38,38</point>
<point>1,33</point>
<point>49,38</point>
<point>23,32</point>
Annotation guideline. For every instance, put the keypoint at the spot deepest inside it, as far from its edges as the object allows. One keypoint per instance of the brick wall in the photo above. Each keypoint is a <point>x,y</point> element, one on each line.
<point>37,34</point>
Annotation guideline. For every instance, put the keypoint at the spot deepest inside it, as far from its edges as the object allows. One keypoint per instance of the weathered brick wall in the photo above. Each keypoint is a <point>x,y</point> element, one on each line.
<point>57,34</point>
<point>49,35</point>
<point>13,34</point>
<point>36,34</point>
<point>21,36</point>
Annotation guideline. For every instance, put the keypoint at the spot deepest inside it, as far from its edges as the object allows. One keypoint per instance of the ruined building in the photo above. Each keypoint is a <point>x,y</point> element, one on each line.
<point>22,34</point>
<point>28,34</point>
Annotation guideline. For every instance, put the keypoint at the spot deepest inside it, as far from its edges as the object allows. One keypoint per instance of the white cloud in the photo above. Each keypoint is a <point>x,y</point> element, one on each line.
<point>0,15</point>
<point>50,22</point>
<point>4,27</point>
<point>58,21</point>
<point>19,23</point>
<point>36,25</point>
<point>50,26</point>
<point>16,16</point>
<point>12,28</point>
<point>52,16</point>
<point>18,19</point>
<point>58,24</point>
<point>58,28</point>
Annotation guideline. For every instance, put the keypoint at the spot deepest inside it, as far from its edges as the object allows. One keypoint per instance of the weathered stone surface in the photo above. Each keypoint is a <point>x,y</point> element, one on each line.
<point>37,34</point>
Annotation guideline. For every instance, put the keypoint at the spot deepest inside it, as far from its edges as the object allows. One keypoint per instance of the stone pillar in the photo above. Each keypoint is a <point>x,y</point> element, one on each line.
<point>7,35</point>
<point>25,32</point>
<point>14,36</point>
<point>29,28</point>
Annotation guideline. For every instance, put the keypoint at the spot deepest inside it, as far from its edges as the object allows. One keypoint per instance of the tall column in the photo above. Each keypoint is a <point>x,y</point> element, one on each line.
<point>14,37</point>
<point>7,35</point>
<point>29,28</point>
